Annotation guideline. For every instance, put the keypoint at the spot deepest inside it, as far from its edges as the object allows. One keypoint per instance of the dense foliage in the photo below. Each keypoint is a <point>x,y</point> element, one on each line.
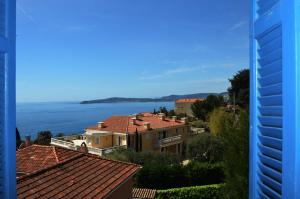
<point>201,109</point>
<point>144,158</point>
<point>239,90</point>
<point>199,124</point>
<point>234,131</point>
<point>217,119</point>
<point>206,148</point>
<point>43,138</point>
<point>196,192</point>
<point>172,176</point>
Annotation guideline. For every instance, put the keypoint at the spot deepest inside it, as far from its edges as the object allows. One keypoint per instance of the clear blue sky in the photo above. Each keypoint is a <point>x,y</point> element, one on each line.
<point>71,50</point>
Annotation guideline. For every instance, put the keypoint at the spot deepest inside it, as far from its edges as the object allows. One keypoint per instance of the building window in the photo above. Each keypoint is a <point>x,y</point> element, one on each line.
<point>97,140</point>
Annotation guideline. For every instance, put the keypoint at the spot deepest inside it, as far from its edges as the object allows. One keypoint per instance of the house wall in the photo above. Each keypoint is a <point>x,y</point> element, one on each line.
<point>116,139</point>
<point>150,139</point>
<point>184,108</point>
<point>124,191</point>
<point>105,141</point>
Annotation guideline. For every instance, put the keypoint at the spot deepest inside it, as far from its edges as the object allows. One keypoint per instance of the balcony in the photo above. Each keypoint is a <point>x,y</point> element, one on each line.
<point>92,150</point>
<point>170,141</point>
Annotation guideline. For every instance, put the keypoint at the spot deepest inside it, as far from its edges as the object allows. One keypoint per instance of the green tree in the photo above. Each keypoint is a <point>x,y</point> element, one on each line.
<point>171,113</point>
<point>216,121</point>
<point>163,110</point>
<point>60,135</point>
<point>239,90</point>
<point>206,148</point>
<point>201,109</point>
<point>18,139</point>
<point>43,138</point>
<point>233,129</point>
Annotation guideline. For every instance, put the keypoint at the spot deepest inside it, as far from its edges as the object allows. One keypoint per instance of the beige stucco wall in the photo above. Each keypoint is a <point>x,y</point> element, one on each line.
<point>150,139</point>
<point>116,139</point>
<point>105,141</point>
<point>184,108</point>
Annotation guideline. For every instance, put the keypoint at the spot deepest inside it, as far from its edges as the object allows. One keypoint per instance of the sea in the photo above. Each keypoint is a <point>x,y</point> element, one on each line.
<point>72,117</point>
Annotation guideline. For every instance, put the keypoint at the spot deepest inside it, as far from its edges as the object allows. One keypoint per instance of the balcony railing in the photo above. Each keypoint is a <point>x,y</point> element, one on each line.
<point>104,151</point>
<point>62,143</point>
<point>92,150</point>
<point>170,141</point>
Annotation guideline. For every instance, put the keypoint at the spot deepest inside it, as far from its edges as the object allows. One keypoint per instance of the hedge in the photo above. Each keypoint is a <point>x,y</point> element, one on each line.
<point>198,192</point>
<point>173,176</point>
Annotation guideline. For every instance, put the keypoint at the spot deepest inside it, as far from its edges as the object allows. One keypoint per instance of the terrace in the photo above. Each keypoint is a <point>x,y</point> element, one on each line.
<point>74,142</point>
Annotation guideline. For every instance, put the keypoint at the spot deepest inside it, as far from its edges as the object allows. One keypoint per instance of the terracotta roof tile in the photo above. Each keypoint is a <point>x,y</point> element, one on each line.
<point>138,193</point>
<point>122,124</point>
<point>36,157</point>
<point>82,176</point>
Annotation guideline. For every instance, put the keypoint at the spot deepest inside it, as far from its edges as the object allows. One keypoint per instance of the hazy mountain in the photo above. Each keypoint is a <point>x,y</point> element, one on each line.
<point>169,98</point>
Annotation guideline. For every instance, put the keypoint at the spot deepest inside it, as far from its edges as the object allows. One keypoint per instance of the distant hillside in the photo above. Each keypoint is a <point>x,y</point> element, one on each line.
<point>169,98</point>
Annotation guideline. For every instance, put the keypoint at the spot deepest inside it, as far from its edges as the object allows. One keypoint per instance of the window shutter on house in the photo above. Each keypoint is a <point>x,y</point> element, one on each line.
<point>275,99</point>
<point>7,99</point>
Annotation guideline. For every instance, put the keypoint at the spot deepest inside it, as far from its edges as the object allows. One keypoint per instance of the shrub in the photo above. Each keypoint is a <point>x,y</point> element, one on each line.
<point>144,158</point>
<point>198,192</point>
<point>172,176</point>
<point>206,148</point>
<point>199,124</point>
<point>204,173</point>
<point>233,129</point>
<point>43,138</point>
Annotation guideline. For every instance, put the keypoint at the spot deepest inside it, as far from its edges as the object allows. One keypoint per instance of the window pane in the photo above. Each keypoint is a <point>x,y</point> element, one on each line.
<point>2,18</point>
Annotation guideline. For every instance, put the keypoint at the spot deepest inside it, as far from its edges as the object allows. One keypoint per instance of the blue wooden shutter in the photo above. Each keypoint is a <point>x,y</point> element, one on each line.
<point>7,99</point>
<point>275,99</point>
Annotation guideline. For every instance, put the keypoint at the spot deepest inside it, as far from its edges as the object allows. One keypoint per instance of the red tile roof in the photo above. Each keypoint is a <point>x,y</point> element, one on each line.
<point>122,124</point>
<point>82,176</point>
<point>138,193</point>
<point>36,157</point>
<point>189,100</point>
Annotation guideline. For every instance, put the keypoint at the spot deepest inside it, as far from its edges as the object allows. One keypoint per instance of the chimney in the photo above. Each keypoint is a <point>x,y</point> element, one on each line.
<point>83,148</point>
<point>162,116</point>
<point>184,120</point>
<point>27,140</point>
<point>100,125</point>
<point>133,121</point>
<point>147,125</point>
<point>174,118</point>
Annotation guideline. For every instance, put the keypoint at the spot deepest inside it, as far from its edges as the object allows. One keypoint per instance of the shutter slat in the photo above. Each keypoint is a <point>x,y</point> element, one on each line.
<point>271,131</point>
<point>271,57</point>
<point>273,163</point>
<point>265,6</point>
<point>270,121</point>
<point>267,149</point>
<point>272,173</point>
<point>275,78</point>
<point>275,100</point>
<point>272,184</point>
<point>271,46</point>
<point>271,142</point>
<point>271,111</point>
<point>274,89</point>
<point>268,191</point>
<point>270,69</point>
